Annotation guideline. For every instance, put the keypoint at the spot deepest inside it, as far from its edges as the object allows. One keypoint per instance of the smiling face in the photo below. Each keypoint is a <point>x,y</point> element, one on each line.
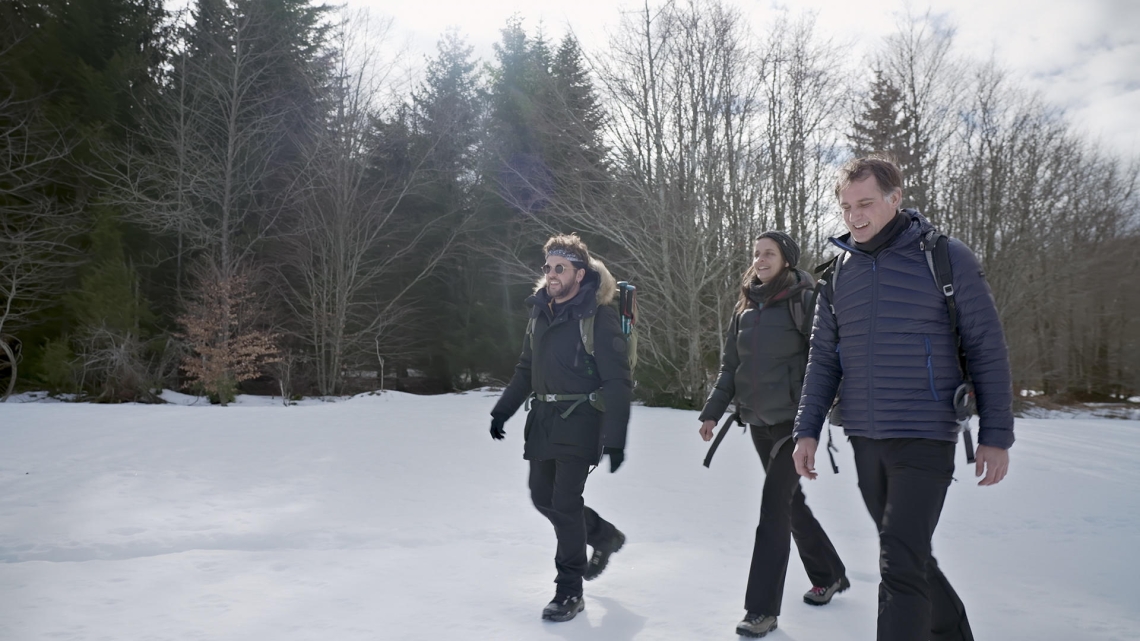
<point>866,210</point>
<point>767,261</point>
<point>562,287</point>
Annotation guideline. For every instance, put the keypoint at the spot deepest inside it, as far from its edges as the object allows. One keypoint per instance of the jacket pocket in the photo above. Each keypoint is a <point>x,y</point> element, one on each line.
<point>930,368</point>
<point>583,428</point>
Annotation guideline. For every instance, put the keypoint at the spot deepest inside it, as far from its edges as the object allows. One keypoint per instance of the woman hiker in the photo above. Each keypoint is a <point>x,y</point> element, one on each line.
<point>765,357</point>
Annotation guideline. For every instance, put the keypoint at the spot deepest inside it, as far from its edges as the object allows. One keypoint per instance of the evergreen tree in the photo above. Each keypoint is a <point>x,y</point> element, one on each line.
<point>447,116</point>
<point>73,76</point>
<point>519,136</point>
<point>108,295</point>
<point>459,337</point>
<point>882,126</point>
<point>112,323</point>
<point>577,118</point>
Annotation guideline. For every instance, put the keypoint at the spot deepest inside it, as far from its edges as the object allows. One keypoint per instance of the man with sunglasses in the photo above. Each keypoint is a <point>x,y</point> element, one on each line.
<point>578,409</point>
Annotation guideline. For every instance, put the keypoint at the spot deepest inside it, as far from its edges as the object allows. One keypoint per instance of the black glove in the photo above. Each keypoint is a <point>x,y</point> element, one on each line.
<point>617,455</point>
<point>497,431</point>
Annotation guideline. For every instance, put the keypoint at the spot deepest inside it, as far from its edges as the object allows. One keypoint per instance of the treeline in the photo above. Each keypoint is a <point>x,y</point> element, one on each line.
<point>252,195</point>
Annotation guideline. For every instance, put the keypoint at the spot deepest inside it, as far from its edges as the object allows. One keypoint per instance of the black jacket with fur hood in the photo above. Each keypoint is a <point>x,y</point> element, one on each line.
<point>559,364</point>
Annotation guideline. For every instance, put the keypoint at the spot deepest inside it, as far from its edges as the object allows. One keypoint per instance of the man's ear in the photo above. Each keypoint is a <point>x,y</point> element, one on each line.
<point>896,198</point>
<point>580,275</point>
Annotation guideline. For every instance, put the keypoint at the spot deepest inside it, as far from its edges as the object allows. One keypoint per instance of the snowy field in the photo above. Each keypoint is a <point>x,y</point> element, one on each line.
<point>397,517</point>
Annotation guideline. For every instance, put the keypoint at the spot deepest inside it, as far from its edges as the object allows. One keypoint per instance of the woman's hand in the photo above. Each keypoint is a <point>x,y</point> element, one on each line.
<point>707,429</point>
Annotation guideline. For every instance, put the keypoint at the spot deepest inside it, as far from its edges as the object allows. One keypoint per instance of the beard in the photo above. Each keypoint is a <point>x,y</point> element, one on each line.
<point>558,289</point>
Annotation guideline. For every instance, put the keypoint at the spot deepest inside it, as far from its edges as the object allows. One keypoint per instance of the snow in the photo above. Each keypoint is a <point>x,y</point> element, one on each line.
<point>391,516</point>
<point>1084,411</point>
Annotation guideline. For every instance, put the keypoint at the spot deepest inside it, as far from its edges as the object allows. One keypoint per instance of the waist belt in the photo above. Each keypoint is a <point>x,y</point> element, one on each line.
<point>594,398</point>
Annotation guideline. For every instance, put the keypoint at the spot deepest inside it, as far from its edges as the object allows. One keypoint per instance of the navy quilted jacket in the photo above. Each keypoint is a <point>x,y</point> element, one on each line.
<point>890,344</point>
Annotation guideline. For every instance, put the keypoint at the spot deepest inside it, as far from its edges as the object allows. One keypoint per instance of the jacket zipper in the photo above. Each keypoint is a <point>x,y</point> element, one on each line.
<point>870,344</point>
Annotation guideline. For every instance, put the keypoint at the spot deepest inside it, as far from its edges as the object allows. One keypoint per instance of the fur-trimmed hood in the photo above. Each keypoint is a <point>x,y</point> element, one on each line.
<point>596,274</point>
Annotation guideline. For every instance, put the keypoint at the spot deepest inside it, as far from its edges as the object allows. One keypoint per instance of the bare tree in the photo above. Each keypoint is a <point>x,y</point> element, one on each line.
<point>681,85</point>
<point>919,58</point>
<point>1046,212</point>
<point>352,255</point>
<point>200,166</point>
<point>803,91</point>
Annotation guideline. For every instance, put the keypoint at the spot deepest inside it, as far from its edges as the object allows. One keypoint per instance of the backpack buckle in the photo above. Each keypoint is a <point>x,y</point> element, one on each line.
<point>948,289</point>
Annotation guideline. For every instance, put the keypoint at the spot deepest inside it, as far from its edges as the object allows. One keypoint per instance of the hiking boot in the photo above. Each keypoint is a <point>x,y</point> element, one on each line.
<point>819,595</point>
<point>756,625</point>
<point>601,556</point>
<point>563,608</point>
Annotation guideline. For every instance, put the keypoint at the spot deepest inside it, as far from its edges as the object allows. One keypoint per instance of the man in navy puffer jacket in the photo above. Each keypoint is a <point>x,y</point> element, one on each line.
<point>885,345</point>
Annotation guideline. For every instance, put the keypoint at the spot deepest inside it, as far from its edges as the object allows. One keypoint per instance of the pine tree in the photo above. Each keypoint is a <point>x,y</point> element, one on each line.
<point>518,139</point>
<point>108,295</point>
<point>449,115</point>
<point>575,114</point>
<point>882,127</point>
<point>113,322</point>
<point>73,74</point>
<point>447,111</point>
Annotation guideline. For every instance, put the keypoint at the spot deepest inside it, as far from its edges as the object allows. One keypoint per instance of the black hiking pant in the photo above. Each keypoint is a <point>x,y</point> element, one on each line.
<point>784,515</point>
<point>904,482</point>
<point>556,487</point>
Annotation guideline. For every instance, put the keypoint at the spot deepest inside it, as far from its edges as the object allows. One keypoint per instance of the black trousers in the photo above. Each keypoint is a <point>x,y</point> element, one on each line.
<point>556,487</point>
<point>784,515</point>
<point>904,483</point>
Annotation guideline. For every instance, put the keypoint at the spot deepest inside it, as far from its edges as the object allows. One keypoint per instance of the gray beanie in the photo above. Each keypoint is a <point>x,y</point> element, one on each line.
<point>788,247</point>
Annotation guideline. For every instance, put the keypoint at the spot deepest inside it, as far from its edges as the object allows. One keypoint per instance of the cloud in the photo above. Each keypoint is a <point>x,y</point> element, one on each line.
<point>1082,56</point>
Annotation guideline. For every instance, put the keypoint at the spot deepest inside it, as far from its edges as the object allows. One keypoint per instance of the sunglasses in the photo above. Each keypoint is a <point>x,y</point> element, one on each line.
<point>558,269</point>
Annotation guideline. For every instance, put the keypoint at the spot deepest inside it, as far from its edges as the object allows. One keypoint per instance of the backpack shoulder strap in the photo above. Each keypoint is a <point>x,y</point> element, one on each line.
<point>936,246</point>
<point>586,327</point>
<point>802,309</point>
<point>827,273</point>
<point>530,332</point>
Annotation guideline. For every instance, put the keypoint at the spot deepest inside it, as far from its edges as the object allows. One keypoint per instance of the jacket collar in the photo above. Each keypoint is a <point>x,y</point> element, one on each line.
<point>919,225</point>
<point>583,304</point>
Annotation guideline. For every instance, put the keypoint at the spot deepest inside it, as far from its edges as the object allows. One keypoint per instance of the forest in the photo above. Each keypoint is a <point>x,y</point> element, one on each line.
<point>272,197</point>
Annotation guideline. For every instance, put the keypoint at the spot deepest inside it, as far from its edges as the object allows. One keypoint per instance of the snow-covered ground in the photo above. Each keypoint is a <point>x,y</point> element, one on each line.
<point>397,517</point>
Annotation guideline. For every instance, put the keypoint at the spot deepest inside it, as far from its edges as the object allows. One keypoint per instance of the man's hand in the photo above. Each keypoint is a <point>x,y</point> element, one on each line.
<point>707,430</point>
<point>497,431</point>
<point>994,461</point>
<point>617,455</point>
<point>804,457</point>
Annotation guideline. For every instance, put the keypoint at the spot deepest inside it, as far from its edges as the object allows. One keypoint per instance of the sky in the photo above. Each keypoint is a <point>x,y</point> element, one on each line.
<point>1082,55</point>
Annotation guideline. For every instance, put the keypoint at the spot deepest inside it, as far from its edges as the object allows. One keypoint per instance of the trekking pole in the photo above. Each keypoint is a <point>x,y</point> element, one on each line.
<point>626,300</point>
